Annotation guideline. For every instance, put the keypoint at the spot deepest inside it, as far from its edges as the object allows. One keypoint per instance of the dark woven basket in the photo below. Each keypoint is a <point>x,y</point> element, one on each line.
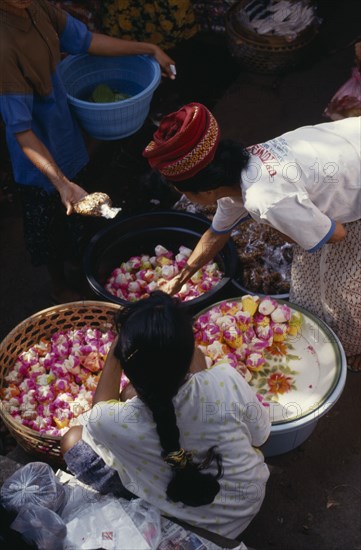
<point>265,53</point>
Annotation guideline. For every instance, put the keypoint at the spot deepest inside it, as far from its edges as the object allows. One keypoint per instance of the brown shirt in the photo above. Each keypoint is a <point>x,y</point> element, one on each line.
<point>32,95</point>
<point>29,48</point>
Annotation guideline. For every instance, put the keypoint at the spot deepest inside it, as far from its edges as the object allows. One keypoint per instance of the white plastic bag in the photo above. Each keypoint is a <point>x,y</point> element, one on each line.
<point>103,524</point>
<point>104,521</point>
<point>147,519</point>
<point>34,483</point>
<point>78,499</point>
<point>42,526</point>
<point>347,100</point>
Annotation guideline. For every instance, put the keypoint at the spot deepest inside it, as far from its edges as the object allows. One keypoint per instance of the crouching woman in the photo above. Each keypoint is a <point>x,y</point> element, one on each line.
<point>187,440</point>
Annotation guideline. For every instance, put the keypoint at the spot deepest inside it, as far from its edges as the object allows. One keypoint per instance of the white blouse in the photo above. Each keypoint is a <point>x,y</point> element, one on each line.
<point>301,183</point>
<point>214,407</point>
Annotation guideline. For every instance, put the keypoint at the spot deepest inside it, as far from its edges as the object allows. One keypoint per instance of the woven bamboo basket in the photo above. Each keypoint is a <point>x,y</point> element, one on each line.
<point>44,324</point>
<point>265,53</point>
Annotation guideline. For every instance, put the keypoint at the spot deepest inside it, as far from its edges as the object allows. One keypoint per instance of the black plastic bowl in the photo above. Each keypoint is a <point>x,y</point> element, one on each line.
<point>140,234</point>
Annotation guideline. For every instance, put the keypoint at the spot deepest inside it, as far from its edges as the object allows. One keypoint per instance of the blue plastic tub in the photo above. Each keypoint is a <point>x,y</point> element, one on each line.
<point>137,75</point>
<point>289,435</point>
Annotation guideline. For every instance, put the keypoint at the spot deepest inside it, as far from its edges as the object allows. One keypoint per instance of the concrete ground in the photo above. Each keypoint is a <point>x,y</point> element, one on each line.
<point>313,496</point>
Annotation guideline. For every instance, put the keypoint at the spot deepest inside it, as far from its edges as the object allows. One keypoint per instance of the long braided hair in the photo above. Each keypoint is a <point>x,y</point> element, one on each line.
<point>155,348</point>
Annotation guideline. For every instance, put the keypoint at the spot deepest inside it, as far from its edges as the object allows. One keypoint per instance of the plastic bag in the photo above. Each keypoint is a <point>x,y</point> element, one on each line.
<point>278,17</point>
<point>33,484</point>
<point>9,538</point>
<point>105,524</point>
<point>147,520</point>
<point>41,526</point>
<point>265,259</point>
<point>347,100</point>
<point>78,499</point>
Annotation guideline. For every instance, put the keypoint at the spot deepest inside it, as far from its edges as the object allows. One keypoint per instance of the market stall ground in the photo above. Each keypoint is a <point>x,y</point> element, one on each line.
<point>313,496</point>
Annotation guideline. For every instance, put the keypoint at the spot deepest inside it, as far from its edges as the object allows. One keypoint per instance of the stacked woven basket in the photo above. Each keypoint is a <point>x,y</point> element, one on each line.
<point>265,53</point>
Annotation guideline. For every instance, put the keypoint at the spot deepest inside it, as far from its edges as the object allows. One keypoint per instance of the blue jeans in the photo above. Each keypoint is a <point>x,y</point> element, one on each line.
<point>91,469</point>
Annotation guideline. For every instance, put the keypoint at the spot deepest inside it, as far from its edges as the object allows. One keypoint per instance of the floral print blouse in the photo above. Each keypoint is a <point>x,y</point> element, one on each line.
<point>161,22</point>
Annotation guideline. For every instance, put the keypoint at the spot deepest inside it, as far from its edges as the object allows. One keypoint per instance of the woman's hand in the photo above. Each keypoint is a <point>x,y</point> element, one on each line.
<point>170,287</point>
<point>206,249</point>
<point>167,64</point>
<point>70,193</point>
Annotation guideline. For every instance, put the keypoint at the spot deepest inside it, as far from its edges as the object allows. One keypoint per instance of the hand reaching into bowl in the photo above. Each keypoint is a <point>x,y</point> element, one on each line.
<point>170,287</point>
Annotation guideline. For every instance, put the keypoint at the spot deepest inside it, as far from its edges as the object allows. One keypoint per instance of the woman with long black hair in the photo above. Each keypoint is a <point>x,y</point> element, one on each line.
<point>186,441</point>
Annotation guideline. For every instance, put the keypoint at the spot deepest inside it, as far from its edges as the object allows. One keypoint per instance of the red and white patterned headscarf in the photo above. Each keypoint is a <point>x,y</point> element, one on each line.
<point>185,142</point>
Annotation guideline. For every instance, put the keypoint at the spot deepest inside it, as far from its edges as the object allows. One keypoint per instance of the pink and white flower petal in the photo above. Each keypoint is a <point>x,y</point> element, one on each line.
<point>257,345</point>
<point>233,337</point>
<point>264,332</point>
<point>255,361</point>
<point>281,314</point>
<point>225,322</point>
<point>280,331</point>
<point>267,305</point>
<point>185,251</point>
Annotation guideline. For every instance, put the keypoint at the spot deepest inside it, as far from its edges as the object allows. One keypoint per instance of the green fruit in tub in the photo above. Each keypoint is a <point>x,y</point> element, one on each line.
<point>104,94</point>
